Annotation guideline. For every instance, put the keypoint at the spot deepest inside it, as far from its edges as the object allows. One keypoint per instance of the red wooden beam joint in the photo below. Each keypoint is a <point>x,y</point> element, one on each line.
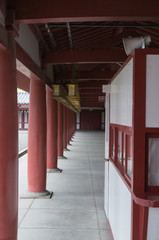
<point>40,11</point>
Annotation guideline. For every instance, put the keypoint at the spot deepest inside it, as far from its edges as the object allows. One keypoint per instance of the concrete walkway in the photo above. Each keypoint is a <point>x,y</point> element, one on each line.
<point>22,140</point>
<point>76,210</point>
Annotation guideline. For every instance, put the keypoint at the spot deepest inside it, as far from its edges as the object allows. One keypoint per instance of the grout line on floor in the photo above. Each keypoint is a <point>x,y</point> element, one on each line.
<point>94,200</point>
<point>26,213</point>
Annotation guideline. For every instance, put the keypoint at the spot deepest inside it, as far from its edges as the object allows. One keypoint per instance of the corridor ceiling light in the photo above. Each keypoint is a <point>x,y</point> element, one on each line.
<point>73,96</point>
<point>60,93</point>
<point>132,43</point>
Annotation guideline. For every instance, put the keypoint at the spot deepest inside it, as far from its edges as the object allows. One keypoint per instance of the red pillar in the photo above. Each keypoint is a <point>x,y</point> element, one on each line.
<point>73,124</point>
<point>65,127</point>
<point>8,143</point>
<point>60,130</point>
<point>37,138</point>
<point>68,126</point>
<point>51,132</point>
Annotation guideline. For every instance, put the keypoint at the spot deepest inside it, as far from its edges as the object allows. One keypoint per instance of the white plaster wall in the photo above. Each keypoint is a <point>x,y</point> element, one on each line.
<point>119,206</point>
<point>107,126</point>
<point>153,224</point>
<point>29,43</point>
<point>106,188</point>
<point>153,163</point>
<point>152,91</point>
<point>121,97</point>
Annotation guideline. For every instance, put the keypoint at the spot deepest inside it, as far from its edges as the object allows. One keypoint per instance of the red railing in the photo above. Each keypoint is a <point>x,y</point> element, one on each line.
<point>121,149</point>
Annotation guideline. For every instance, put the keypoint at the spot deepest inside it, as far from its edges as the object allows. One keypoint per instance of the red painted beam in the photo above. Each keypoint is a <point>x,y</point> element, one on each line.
<point>85,56</point>
<point>92,84</point>
<point>91,103</point>
<point>23,82</point>
<point>91,75</point>
<point>40,11</point>
<point>90,91</point>
<point>27,61</point>
<point>91,96</point>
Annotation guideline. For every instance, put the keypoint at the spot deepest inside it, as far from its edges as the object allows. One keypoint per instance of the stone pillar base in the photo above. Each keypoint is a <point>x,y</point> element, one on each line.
<point>34,195</point>
<point>62,157</point>
<point>66,149</point>
<point>54,170</point>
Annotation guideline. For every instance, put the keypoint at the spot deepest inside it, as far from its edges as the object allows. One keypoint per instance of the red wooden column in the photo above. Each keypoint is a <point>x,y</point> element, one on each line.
<point>68,125</point>
<point>8,143</point>
<point>138,180</point>
<point>51,132</point>
<point>71,125</point>
<point>74,125</point>
<point>65,127</point>
<point>60,130</point>
<point>37,139</point>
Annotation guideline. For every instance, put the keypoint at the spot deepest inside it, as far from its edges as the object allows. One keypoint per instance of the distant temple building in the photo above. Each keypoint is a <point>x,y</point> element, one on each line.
<point>23,109</point>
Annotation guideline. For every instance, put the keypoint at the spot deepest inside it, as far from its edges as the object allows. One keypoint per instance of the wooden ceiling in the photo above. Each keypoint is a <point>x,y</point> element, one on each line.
<point>87,34</point>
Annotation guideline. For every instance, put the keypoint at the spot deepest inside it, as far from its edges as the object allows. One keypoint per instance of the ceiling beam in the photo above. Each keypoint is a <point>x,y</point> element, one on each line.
<point>50,33</point>
<point>41,37</point>
<point>106,25</point>
<point>90,91</point>
<point>91,103</point>
<point>85,56</point>
<point>27,61</point>
<point>92,85</point>
<point>69,35</point>
<point>91,96</point>
<point>40,11</point>
<point>91,75</point>
<point>23,82</point>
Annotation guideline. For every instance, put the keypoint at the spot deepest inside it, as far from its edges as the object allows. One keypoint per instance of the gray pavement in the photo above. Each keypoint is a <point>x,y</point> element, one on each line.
<point>76,210</point>
<point>22,140</point>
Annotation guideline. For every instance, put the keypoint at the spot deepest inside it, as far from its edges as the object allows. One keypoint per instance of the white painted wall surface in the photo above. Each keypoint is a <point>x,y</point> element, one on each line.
<point>153,224</point>
<point>153,163</point>
<point>106,188</point>
<point>29,43</point>
<point>107,103</point>
<point>119,206</point>
<point>152,91</point>
<point>121,97</point>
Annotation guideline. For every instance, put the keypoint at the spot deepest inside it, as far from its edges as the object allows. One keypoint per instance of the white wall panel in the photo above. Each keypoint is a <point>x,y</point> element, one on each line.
<point>121,97</point>
<point>152,91</point>
<point>107,107</point>
<point>106,192</point>
<point>153,227</point>
<point>29,43</point>
<point>119,206</point>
